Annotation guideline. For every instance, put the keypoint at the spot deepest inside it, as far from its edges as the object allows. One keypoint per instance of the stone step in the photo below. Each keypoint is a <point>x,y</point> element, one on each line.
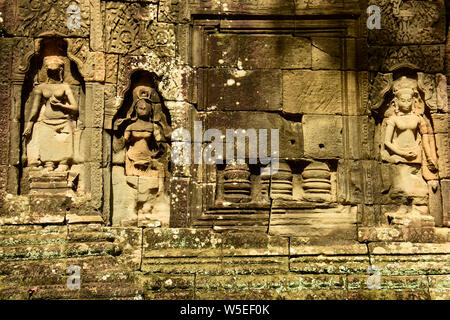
<point>92,290</point>
<point>59,250</point>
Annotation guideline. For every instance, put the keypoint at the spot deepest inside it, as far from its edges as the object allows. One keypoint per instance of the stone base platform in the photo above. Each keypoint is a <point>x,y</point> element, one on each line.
<point>159,263</point>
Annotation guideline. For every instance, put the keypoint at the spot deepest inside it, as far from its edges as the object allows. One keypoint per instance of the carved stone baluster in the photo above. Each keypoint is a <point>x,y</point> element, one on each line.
<point>281,185</point>
<point>317,182</point>
<point>237,185</point>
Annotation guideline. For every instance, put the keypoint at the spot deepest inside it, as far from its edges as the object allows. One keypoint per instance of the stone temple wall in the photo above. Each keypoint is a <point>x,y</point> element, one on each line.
<point>96,98</point>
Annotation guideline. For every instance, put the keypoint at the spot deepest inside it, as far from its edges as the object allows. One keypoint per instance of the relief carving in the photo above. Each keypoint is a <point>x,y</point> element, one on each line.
<point>380,86</point>
<point>133,28</point>
<point>38,16</point>
<point>408,142</point>
<point>426,58</point>
<point>409,21</point>
<point>141,148</point>
<point>237,185</point>
<point>145,130</point>
<point>317,182</point>
<point>51,122</point>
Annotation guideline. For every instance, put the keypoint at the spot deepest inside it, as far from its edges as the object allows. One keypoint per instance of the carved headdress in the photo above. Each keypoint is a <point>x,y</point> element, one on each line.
<point>54,63</point>
<point>150,96</point>
<point>405,85</point>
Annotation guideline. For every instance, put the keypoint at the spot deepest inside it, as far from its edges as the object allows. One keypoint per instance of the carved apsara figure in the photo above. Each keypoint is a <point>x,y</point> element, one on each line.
<point>146,129</point>
<point>51,121</point>
<point>409,136</point>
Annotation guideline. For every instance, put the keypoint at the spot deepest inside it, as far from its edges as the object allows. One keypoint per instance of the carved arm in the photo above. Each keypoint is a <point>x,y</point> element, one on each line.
<point>35,108</point>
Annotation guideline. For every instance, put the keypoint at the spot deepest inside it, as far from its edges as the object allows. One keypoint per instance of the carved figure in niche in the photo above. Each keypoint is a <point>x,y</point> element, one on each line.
<point>145,130</point>
<point>409,143</point>
<point>51,122</point>
<point>142,149</point>
<point>409,135</point>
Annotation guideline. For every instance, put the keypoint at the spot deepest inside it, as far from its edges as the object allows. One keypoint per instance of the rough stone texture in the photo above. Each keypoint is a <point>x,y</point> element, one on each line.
<point>312,92</point>
<point>288,130</point>
<point>429,58</point>
<point>237,89</point>
<point>323,136</point>
<point>196,264</point>
<point>246,52</point>
<point>347,209</point>
<point>401,26</point>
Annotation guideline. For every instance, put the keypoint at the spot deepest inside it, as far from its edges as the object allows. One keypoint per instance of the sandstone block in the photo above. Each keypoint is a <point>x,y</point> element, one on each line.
<point>312,92</point>
<point>323,136</point>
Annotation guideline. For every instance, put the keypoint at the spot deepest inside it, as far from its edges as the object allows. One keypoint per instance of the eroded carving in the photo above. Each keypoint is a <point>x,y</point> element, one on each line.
<point>133,28</point>
<point>317,182</point>
<point>409,21</point>
<point>141,147</point>
<point>281,183</point>
<point>408,142</point>
<point>36,17</point>
<point>426,58</point>
<point>237,185</point>
<point>50,125</point>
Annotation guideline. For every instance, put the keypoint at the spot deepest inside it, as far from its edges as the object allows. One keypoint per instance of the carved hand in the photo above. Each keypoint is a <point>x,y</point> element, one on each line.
<point>28,129</point>
<point>432,165</point>
<point>410,155</point>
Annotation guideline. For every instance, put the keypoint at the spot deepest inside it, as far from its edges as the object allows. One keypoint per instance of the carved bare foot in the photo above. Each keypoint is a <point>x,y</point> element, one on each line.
<point>36,166</point>
<point>49,166</point>
<point>434,185</point>
<point>62,167</point>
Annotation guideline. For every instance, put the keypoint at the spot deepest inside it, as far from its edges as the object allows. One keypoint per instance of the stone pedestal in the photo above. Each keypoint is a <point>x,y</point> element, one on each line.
<point>44,182</point>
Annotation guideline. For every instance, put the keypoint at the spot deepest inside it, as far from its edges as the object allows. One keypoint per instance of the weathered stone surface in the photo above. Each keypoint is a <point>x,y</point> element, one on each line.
<point>247,52</point>
<point>334,223</point>
<point>445,185</point>
<point>121,36</point>
<point>289,131</point>
<point>439,287</point>
<point>241,244</point>
<point>5,111</point>
<point>389,288</point>
<point>262,287</point>
<point>404,233</point>
<point>168,287</point>
<point>328,225</point>
<point>176,80</point>
<point>323,136</point>
<point>326,53</point>
<point>180,202</point>
<point>401,23</point>
<point>443,151</point>
<point>312,92</point>
<point>181,243</point>
<point>3,181</point>
<point>339,258</point>
<point>96,30</point>
<point>359,130</point>
<point>359,181</point>
<point>6,62</point>
<point>238,89</point>
<point>330,265</point>
<point>440,122</point>
<point>35,19</point>
<point>425,57</point>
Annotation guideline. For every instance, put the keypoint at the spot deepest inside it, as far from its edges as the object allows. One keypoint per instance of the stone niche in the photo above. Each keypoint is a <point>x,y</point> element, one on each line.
<point>407,125</point>
<point>302,78</point>
<point>58,170</point>
<point>141,172</point>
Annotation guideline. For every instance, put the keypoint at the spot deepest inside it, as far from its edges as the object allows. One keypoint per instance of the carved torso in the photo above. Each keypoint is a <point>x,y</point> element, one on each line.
<point>405,134</point>
<point>53,93</point>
